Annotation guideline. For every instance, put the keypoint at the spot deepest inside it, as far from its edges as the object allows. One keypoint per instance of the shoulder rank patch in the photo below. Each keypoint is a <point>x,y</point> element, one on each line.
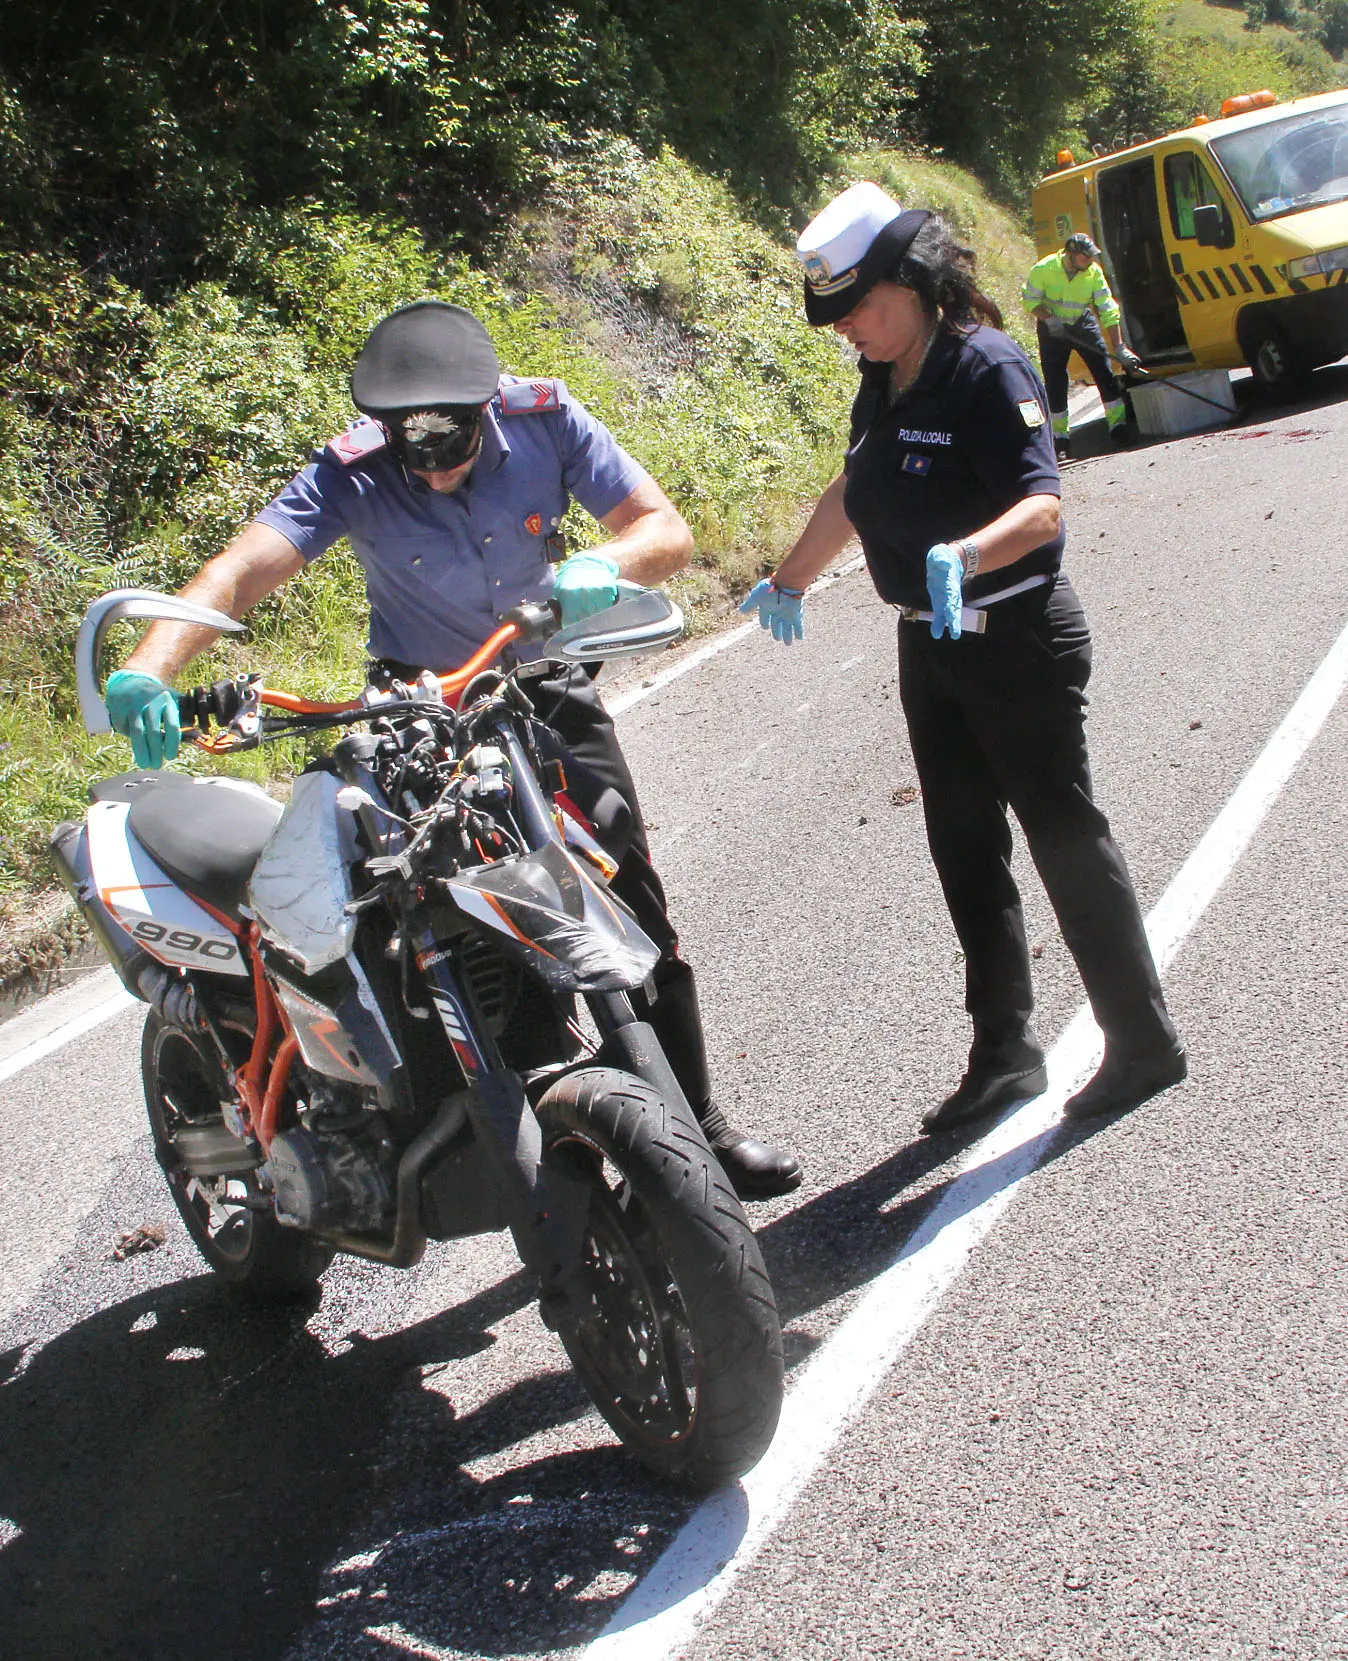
<point>530,397</point>
<point>1031,413</point>
<point>362,438</point>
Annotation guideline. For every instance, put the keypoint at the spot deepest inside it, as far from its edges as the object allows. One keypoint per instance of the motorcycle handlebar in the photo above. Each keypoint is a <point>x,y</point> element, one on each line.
<point>640,620</point>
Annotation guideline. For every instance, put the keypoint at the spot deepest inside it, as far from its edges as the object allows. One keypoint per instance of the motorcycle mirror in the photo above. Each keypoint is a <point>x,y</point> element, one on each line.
<point>643,620</point>
<point>111,608</point>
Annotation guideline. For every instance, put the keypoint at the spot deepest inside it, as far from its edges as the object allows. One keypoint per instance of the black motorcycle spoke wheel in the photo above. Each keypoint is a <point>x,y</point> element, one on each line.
<point>673,1328</point>
<point>637,1341</point>
<point>248,1248</point>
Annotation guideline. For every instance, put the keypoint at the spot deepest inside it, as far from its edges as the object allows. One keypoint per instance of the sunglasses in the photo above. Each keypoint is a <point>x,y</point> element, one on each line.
<point>437,439</point>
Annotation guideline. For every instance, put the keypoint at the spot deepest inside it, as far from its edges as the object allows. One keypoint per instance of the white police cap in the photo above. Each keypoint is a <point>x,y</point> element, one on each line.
<point>850,245</point>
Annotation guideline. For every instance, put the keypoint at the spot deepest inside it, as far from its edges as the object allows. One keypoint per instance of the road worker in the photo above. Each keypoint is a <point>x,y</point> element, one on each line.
<point>1069,298</point>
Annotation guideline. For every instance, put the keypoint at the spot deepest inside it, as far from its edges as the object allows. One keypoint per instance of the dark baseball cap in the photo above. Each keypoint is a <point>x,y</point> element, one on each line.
<point>1080,243</point>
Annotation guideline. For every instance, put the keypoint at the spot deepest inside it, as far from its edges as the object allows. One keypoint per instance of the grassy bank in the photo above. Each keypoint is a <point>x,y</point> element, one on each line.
<point>138,437</point>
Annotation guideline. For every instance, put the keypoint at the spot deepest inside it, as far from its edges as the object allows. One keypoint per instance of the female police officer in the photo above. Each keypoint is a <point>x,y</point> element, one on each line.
<point>951,484</point>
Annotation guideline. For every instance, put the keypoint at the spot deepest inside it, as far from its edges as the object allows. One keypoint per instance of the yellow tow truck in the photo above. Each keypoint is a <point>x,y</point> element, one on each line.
<point>1226,243</point>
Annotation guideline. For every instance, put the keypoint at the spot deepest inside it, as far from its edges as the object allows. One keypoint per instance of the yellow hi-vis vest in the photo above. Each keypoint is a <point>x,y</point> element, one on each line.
<point>1068,295</point>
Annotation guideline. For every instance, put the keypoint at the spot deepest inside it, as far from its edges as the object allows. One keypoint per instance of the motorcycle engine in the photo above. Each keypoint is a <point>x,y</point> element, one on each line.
<point>327,1175</point>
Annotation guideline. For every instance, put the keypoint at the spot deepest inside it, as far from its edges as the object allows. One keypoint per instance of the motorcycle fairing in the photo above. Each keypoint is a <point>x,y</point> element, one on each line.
<point>149,905</point>
<point>347,1038</point>
<point>544,909</point>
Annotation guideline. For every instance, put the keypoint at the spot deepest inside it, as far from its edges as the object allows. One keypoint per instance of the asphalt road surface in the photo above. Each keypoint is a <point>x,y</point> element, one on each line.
<point>1063,1394</point>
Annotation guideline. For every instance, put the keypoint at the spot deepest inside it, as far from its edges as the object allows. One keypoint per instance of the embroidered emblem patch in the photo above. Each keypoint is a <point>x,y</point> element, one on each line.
<point>1031,413</point>
<point>915,463</point>
<point>534,524</point>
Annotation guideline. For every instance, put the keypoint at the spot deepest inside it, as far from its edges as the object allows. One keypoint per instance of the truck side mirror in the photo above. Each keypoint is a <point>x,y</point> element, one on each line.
<point>1210,227</point>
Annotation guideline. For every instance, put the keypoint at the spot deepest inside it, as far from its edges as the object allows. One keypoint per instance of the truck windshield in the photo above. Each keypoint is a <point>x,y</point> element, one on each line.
<point>1284,166</point>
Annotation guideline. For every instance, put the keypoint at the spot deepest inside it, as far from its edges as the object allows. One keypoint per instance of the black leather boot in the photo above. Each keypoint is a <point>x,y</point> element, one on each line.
<point>1125,1080</point>
<point>757,1170</point>
<point>1001,1070</point>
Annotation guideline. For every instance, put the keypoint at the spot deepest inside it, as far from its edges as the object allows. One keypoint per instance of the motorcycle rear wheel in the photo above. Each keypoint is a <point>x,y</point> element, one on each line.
<point>250,1250</point>
<point>680,1348</point>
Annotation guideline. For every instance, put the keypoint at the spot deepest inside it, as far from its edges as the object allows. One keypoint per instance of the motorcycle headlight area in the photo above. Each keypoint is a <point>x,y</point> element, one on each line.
<point>545,910</point>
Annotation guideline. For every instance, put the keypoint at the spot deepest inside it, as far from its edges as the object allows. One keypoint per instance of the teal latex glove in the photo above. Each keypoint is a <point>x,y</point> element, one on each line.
<point>584,584</point>
<point>945,584</point>
<point>779,609</point>
<point>143,709</point>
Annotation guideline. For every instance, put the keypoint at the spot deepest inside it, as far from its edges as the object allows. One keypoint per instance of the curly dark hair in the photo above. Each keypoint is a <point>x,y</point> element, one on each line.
<point>939,269</point>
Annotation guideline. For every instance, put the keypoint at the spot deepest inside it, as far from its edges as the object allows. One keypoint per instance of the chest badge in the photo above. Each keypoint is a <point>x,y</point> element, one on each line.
<point>534,524</point>
<point>1031,413</point>
<point>915,462</point>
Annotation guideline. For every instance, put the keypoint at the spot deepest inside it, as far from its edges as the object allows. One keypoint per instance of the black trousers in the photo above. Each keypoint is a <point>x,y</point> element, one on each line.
<point>566,701</point>
<point>997,721</point>
<point>1086,340</point>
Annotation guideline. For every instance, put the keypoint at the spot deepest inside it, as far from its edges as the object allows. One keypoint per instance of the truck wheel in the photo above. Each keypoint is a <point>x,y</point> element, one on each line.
<point>1275,364</point>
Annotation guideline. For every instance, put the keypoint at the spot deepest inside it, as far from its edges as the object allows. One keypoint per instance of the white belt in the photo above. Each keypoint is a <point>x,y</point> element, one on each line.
<point>972,617</point>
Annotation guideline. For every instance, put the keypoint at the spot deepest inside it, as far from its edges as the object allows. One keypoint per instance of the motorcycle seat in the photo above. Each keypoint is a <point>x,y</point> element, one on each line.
<point>205,833</point>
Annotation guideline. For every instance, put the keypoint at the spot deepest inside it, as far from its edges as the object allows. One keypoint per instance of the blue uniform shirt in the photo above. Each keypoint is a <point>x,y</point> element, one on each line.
<point>968,440</point>
<point>442,571</point>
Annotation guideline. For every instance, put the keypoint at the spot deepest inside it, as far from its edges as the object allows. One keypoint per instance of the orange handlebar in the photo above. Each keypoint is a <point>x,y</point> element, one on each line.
<point>451,685</point>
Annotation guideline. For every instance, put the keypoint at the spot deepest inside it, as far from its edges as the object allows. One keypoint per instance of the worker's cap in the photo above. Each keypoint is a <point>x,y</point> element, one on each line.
<point>425,356</point>
<point>848,247</point>
<point>1080,243</point>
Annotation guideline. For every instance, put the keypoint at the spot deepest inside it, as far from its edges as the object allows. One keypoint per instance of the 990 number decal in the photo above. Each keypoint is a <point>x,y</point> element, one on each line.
<point>183,940</point>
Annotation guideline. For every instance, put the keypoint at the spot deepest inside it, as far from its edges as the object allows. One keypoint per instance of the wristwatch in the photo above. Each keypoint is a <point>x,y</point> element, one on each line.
<point>968,549</point>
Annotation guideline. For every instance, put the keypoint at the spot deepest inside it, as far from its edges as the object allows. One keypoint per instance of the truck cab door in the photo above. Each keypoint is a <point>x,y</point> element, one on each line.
<point>1139,265</point>
<point>1205,260</point>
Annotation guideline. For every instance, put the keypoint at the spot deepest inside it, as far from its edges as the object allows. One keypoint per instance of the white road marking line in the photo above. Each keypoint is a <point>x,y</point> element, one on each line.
<point>65,1034</point>
<point>664,1611</point>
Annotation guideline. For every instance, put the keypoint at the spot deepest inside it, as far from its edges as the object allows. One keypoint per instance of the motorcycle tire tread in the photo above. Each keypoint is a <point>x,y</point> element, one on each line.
<point>717,1266</point>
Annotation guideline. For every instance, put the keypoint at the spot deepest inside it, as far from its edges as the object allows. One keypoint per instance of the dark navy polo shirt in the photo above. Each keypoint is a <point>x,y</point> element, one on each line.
<point>966,442</point>
<point>442,571</point>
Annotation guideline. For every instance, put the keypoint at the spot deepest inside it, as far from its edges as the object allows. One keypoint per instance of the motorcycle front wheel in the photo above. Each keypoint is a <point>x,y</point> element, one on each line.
<point>675,1336</point>
<point>246,1247</point>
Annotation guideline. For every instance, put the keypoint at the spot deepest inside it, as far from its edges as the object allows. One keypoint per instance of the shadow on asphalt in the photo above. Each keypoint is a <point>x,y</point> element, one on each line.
<point>183,1468</point>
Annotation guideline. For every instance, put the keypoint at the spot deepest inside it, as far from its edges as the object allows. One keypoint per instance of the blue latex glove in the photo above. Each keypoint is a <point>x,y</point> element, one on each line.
<point>945,584</point>
<point>584,584</point>
<point>143,709</point>
<point>779,609</point>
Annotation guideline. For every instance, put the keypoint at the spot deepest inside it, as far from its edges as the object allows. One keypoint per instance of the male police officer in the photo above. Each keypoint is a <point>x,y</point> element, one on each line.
<point>1066,293</point>
<point>450,491</point>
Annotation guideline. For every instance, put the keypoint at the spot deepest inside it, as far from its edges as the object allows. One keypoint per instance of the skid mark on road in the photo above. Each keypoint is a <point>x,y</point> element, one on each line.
<point>661,1617</point>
